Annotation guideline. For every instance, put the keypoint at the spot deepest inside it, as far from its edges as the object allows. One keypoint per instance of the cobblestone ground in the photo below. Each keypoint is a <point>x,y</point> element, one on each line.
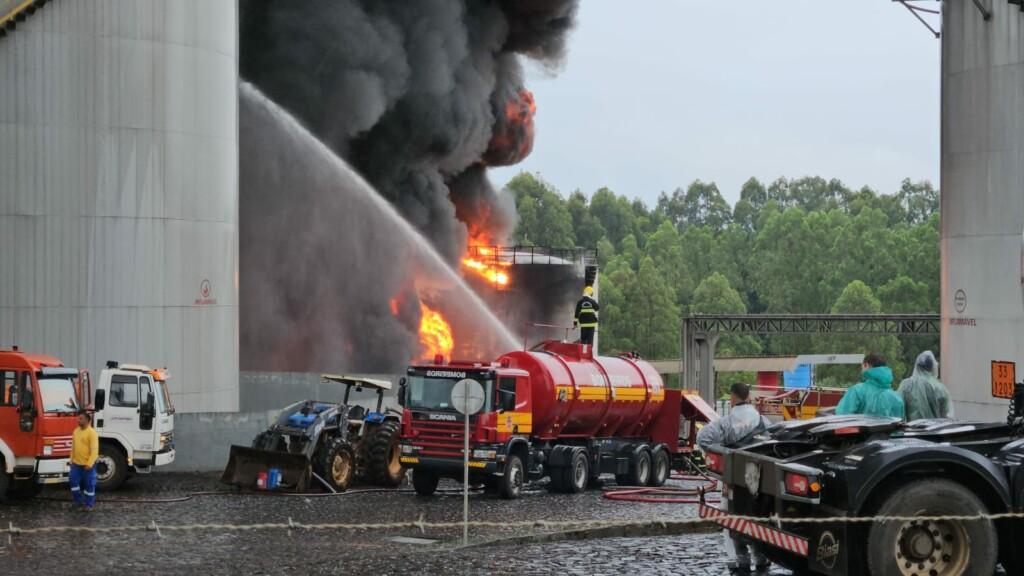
<point>434,551</point>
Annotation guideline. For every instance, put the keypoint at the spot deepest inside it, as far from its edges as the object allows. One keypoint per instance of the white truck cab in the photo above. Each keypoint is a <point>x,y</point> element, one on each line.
<point>134,418</point>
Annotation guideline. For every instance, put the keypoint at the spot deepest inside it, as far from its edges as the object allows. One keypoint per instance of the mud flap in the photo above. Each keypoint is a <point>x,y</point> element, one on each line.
<point>245,464</point>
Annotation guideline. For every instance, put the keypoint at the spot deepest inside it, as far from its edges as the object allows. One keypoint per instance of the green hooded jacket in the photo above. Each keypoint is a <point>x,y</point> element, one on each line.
<point>874,395</point>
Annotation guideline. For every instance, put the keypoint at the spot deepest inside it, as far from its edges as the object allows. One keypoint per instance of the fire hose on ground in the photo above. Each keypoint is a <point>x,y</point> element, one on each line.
<point>669,494</point>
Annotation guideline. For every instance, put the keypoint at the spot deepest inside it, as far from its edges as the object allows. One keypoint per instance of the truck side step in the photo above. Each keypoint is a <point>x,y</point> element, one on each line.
<point>24,472</point>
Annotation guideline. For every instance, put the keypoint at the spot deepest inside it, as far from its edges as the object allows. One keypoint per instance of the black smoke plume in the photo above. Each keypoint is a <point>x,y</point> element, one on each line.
<point>410,93</point>
<point>419,97</point>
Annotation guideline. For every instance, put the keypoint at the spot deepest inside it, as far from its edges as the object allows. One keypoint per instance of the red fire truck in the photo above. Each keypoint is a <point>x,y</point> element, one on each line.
<point>39,401</point>
<point>555,411</point>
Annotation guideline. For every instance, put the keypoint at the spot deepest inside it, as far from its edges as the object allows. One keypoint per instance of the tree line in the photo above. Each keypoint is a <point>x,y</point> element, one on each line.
<point>806,245</point>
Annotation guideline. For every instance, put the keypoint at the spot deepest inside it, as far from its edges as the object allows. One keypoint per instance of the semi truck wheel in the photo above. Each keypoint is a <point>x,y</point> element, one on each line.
<point>578,473</point>
<point>337,464</point>
<point>424,482</point>
<point>942,548</point>
<point>639,471</point>
<point>380,454</point>
<point>111,467</point>
<point>659,468</point>
<point>511,484</point>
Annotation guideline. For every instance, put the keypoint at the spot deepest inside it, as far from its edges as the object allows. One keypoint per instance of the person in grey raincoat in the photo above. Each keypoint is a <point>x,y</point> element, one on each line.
<point>742,423</point>
<point>924,396</point>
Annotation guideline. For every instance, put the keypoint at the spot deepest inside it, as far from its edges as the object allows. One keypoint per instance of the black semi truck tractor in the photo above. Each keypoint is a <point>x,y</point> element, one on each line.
<point>839,467</point>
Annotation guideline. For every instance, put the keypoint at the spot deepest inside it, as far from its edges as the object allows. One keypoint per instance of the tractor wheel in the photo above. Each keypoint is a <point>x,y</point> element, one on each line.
<point>659,468</point>
<point>380,454</point>
<point>111,467</point>
<point>337,463</point>
<point>940,548</point>
<point>511,484</point>
<point>424,482</point>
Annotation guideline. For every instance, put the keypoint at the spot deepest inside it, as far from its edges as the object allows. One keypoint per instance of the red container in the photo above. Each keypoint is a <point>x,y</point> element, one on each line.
<point>574,394</point>
<point>261,481</point>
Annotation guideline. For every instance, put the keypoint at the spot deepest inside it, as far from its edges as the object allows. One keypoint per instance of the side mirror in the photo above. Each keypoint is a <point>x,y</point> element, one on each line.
<point>27,412</point>
<point>401,391</point>
<point>100,400</point>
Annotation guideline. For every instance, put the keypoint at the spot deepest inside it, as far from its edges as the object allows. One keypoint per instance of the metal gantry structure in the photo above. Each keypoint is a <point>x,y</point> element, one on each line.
<point>700,334</point>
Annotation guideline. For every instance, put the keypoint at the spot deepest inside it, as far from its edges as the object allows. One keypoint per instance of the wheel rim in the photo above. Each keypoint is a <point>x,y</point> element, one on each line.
<point>515,479</point>
<point>643,470</point>
<point>104,468</point>
<point>394,460</point>
<point>932,548</point>
<point>661,469</point>
<point>340,470</point>
<point>579,476</point>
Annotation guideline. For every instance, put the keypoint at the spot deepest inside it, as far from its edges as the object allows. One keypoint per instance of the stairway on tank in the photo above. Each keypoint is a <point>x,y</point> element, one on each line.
<point>14,11</point>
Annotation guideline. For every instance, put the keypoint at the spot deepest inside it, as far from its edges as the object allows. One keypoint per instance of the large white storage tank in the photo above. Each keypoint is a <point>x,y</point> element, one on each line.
<point>119,189</point>
<point>982,200</point>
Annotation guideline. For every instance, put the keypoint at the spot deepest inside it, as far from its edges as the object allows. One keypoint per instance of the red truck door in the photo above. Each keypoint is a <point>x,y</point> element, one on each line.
<point>18,438</point>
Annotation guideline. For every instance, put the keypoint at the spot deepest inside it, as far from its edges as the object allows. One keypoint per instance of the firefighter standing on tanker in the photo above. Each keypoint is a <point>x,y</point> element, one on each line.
<point>586,316</point>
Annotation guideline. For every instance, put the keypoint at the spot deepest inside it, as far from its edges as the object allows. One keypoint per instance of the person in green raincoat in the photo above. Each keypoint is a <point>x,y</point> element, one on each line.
<point>923,393</point>
<point>874,395</point>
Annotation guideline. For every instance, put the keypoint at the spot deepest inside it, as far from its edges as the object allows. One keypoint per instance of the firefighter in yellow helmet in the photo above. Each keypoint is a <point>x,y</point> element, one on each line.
<point>586,316</point>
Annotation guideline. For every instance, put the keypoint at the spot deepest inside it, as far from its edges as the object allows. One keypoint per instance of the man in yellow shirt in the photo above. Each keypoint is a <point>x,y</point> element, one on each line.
<point>85,448</point>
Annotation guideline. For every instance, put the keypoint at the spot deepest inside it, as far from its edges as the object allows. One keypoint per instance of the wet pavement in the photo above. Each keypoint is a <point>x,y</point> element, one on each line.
<point>500,549</point>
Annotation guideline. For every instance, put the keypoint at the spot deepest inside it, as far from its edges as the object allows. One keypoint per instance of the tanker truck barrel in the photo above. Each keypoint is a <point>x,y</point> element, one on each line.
<point>555,410</point>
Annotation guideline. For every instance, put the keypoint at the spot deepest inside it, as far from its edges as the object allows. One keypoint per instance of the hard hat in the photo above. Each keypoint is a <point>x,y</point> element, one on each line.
<point>588,290</point>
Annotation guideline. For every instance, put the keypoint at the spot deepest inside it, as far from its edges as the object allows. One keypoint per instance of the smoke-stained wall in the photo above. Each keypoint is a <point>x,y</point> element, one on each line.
<point>419,98</point>
<point>119,190</point>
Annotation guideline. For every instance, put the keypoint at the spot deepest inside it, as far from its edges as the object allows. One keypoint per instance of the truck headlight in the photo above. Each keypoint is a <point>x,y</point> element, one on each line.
<point>407,449</point>
<point>47,450</point>
<point>485,454</point>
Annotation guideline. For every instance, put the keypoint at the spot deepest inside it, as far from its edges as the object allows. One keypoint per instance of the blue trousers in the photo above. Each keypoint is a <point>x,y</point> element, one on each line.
<point>83,485</point>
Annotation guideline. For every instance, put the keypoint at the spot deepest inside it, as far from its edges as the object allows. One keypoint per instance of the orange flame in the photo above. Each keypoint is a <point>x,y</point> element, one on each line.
<point>512,139</point>
<point>482,261</point>
<point>435,333</point>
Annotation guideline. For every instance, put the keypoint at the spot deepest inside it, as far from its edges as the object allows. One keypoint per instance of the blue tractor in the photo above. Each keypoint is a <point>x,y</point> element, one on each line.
<point>325,443</point>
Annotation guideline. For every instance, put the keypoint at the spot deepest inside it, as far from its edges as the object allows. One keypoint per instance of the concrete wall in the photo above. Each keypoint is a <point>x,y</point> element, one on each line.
<point>203,441</point>
<point>119,189</point>
<point>982,200</point>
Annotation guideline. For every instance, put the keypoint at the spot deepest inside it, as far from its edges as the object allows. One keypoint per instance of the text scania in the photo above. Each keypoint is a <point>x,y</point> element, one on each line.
<point>446,417</point>
<point>445,374</point>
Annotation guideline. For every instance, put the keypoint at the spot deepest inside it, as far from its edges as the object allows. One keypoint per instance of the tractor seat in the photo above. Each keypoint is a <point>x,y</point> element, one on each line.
<point>357,413</point>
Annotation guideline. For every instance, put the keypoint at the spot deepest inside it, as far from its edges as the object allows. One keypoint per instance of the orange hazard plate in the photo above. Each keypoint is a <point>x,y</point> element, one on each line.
<point>1004,374</point>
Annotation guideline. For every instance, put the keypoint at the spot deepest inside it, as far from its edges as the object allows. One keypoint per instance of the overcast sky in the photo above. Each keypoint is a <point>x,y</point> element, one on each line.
<point>651,99</point>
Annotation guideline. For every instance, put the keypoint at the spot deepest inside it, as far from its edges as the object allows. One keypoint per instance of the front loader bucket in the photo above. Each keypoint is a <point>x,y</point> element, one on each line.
<point>245,464</point>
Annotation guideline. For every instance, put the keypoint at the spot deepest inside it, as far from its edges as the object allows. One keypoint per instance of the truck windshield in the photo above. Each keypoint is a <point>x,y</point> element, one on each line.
<point>58,395</point>
<point>436,393</point>
<point>163,399</point>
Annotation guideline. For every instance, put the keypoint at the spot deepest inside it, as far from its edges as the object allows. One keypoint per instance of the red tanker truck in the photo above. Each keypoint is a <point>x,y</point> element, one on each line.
<point>555,411</point>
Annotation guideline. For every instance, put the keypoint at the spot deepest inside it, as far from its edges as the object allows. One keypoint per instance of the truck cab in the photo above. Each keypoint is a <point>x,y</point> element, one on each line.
<point>39,402</point>
<point>433,430</point>
<point>134,419</point>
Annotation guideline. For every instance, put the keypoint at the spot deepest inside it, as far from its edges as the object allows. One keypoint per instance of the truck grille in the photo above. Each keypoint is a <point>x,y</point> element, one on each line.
<point>61,444</point>
<point>438,438</point>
